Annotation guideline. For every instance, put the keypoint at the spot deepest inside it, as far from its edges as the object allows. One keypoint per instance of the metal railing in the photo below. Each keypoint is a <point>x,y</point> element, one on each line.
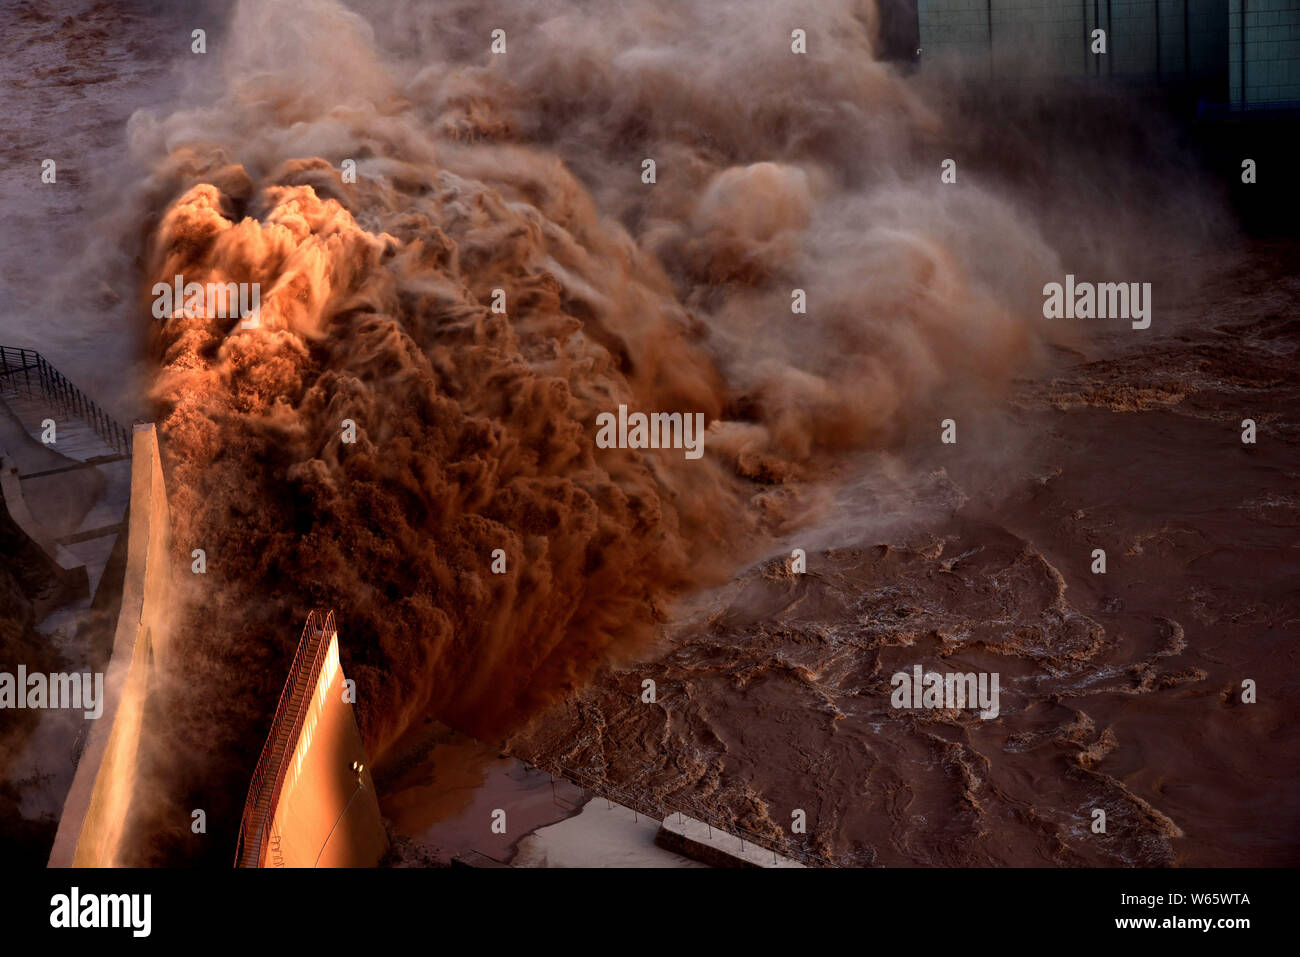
<point>286,725</point>
<point>661,810</point>
<point>40,378</point>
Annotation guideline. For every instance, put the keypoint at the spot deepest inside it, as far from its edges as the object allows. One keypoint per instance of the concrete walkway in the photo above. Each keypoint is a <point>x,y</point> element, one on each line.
<point>604,834</point>
<point>76,488</point>
<point>73,508</point>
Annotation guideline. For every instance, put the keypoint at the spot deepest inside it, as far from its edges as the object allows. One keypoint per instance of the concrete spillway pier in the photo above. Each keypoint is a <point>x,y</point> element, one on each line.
<point>103,789</point>
<point>312,800</point>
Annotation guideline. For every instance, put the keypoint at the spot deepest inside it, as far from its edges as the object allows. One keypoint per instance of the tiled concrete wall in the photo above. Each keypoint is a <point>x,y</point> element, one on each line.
<point>1272,53</point>
<point>1039,37</point>
<point>1207,29</point>
<point>953,28</point>
<point>1132,37</point>
<point>1145,38</point>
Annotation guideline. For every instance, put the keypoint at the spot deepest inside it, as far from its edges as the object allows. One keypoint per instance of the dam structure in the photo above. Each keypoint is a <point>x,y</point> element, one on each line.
<point>65,469</point>
<point>312,800</point>
<point>103,789</point>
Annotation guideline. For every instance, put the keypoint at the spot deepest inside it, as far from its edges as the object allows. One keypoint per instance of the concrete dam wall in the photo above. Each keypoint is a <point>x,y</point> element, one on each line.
<point>312,801</point>
<point>99,801</point>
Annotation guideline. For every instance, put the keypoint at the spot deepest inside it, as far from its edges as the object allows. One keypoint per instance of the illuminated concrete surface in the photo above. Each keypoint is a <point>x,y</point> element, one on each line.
<point>312,801</point>
<point>90,829</point>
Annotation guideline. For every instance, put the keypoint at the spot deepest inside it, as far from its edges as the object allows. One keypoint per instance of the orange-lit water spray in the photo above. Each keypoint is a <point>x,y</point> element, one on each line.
<point>498,273</point>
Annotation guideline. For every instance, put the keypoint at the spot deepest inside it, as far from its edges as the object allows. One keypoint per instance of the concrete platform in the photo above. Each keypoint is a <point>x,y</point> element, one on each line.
<point>717,848</point>
<point>76,491</point>
<point>604,834</point>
